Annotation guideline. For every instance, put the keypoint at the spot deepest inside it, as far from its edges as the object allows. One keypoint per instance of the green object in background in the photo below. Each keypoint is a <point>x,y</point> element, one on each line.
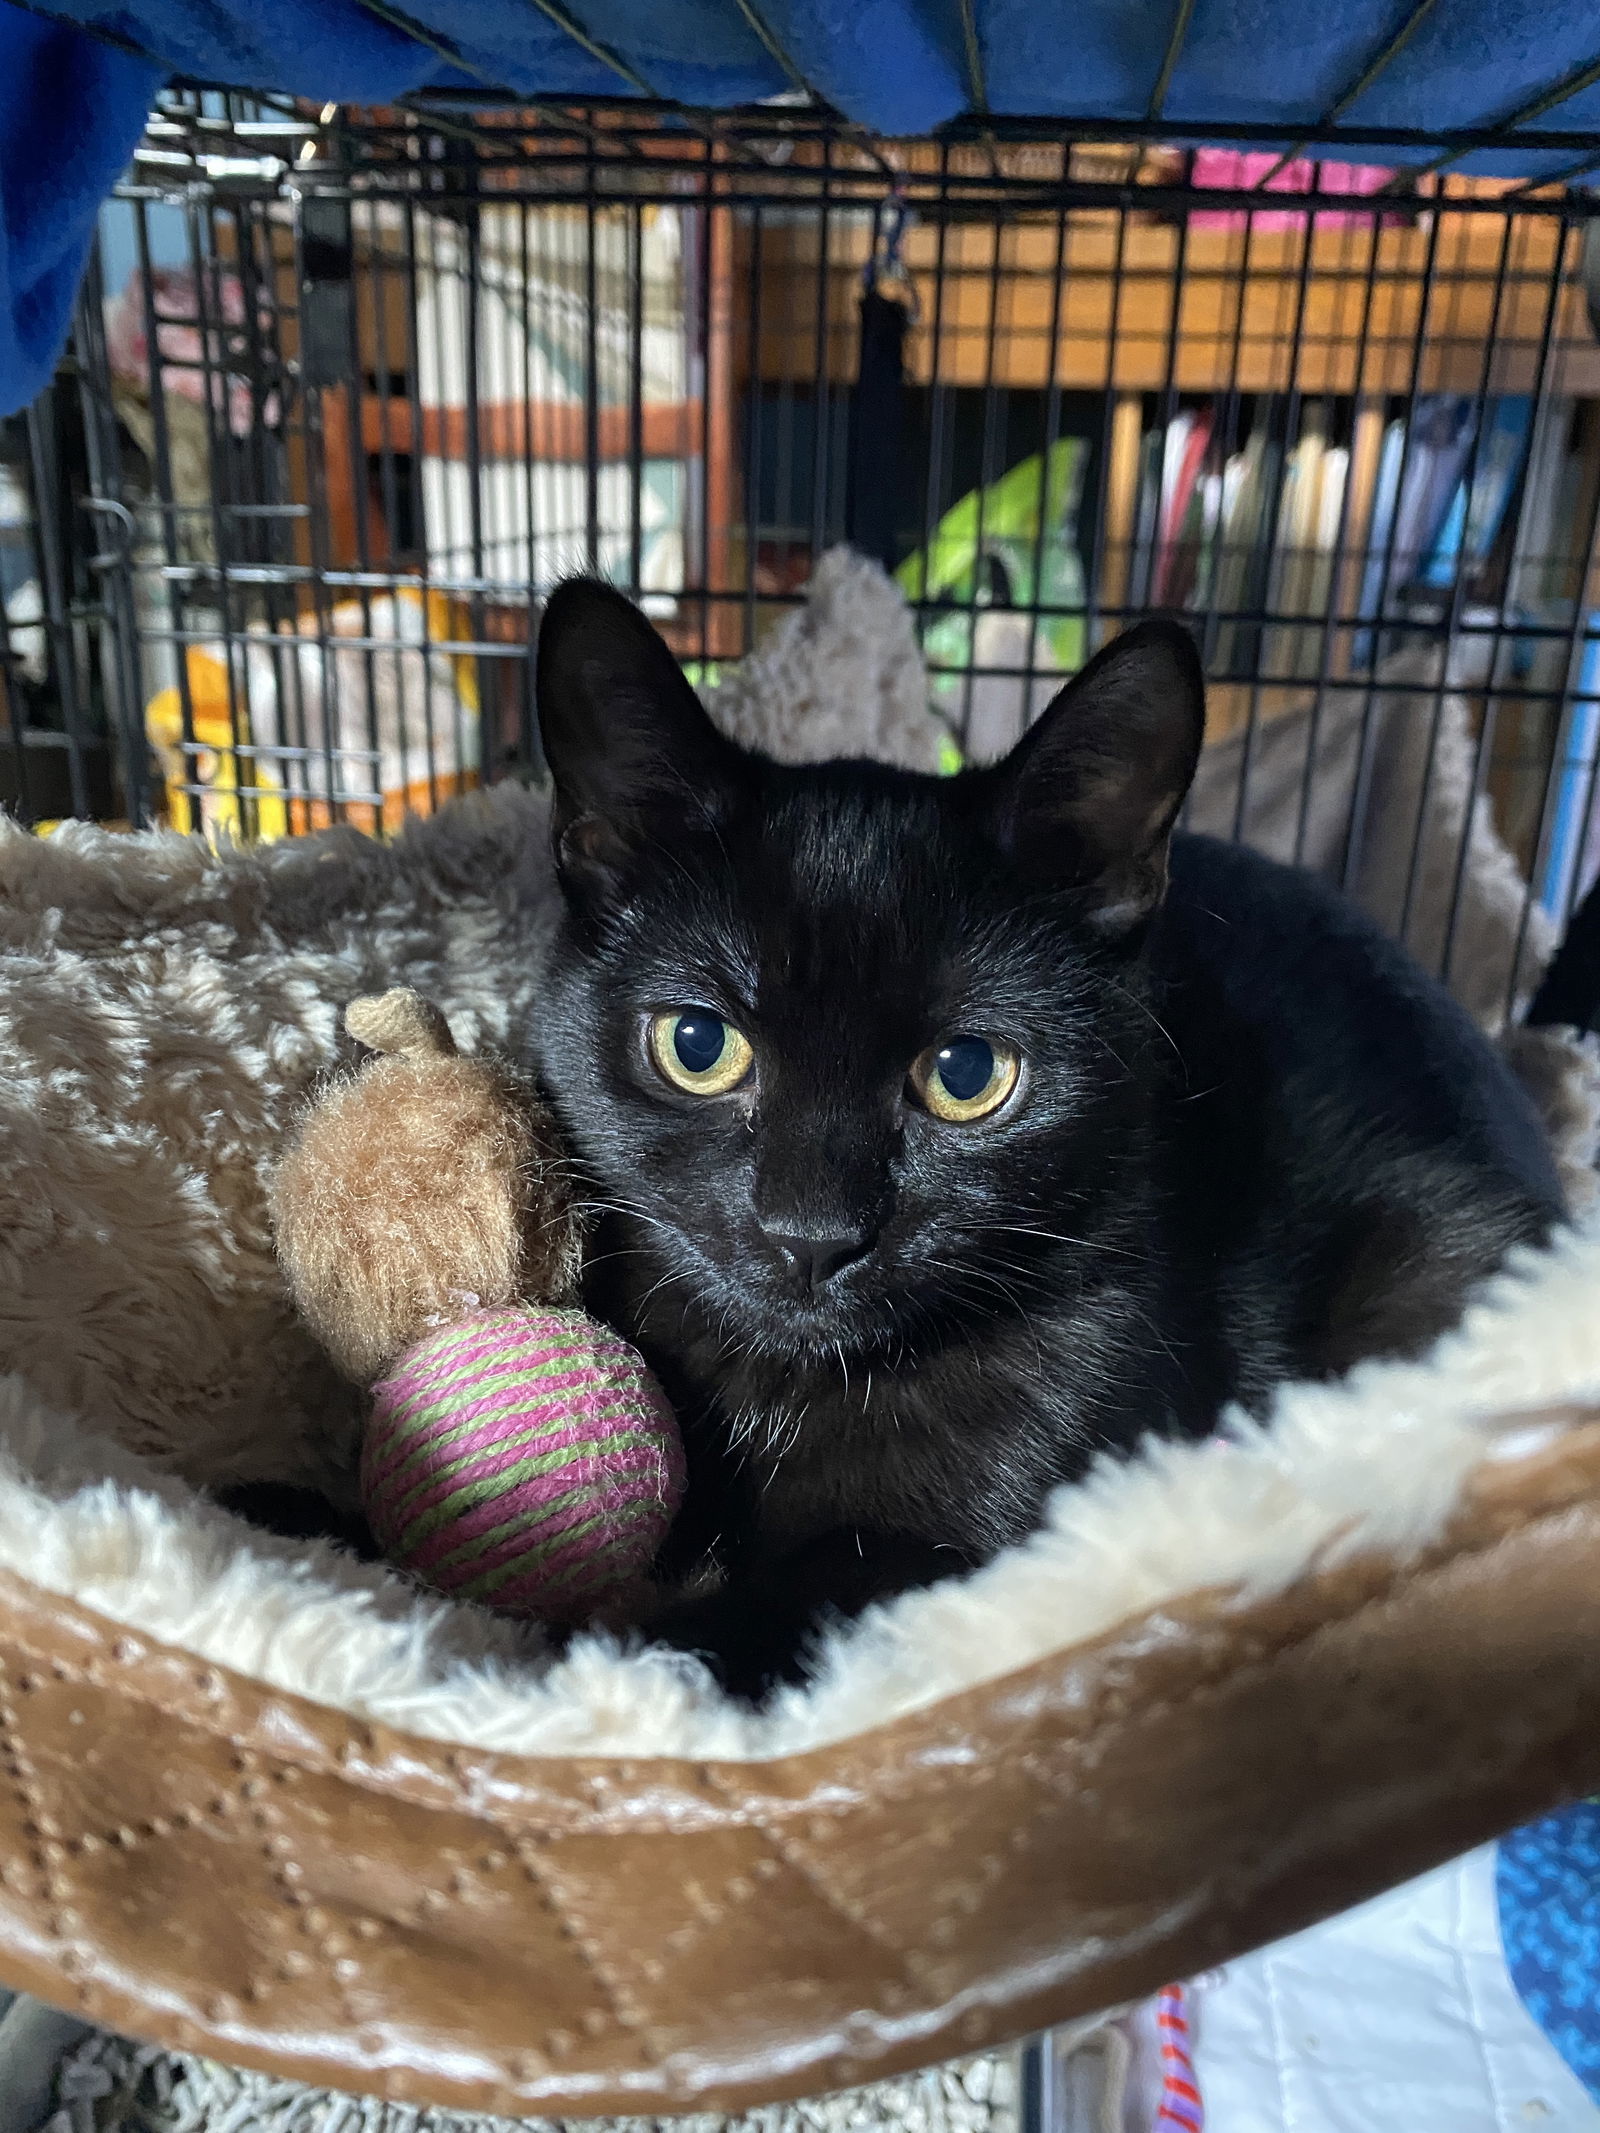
<point>1007,517</point>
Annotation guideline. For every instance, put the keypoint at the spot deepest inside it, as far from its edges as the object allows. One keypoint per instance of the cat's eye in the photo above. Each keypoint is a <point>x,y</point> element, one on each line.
<point>965,1077</point>
<point>699,1052</point>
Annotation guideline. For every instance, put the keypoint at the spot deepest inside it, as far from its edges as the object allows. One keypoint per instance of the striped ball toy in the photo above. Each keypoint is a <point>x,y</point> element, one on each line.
<point>524,1458</point>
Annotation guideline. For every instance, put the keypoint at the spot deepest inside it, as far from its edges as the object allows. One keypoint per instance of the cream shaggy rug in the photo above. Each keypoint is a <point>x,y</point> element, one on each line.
<point>107,2085</point>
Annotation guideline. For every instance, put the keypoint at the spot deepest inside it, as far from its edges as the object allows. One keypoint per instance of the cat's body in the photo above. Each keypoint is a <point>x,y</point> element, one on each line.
<point>1243,1138</point>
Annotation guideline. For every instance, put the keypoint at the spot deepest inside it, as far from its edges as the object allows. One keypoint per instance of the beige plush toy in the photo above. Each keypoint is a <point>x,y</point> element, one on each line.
<point>518,1453</point>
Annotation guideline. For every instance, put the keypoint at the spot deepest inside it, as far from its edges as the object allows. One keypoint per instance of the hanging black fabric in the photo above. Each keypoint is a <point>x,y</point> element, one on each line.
<point>876,476</point>
<point>1570,994</point>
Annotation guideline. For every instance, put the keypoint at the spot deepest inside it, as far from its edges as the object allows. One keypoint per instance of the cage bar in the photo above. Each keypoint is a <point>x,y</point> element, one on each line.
<point>353,388</point>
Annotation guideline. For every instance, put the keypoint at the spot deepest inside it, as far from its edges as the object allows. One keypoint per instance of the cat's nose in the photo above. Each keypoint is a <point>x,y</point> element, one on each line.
<point>816,1259</point>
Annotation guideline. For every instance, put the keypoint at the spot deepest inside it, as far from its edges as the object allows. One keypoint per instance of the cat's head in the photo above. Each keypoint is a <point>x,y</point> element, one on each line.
<point>859,1051</point>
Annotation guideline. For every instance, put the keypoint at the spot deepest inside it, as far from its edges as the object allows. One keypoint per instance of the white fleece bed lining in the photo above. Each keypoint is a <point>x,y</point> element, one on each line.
<point>1375,1463</point>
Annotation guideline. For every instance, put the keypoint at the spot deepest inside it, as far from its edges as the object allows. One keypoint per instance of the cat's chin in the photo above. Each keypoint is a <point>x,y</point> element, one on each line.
<point>799,1330</point>
<point>873,1315</point>
<point>795,1332</point>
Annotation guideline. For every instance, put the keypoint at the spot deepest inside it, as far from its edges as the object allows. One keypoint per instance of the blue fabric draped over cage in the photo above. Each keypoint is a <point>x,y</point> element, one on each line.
<point>77,81</point>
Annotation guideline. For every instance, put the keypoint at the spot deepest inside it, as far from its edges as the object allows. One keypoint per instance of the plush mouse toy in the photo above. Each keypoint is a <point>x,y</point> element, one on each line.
<point>518,1453</point>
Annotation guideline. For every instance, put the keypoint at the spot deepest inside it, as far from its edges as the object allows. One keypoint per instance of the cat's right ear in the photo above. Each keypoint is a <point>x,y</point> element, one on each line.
<point>634,760</point>
<point>1087,799</point>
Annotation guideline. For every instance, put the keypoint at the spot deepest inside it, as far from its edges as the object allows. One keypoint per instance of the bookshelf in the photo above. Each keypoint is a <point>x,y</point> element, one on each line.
<point>1345,319</point>
<point>1159,306</point>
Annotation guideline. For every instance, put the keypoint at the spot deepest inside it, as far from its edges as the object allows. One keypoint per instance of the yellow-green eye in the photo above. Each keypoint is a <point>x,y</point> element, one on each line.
<point>698,1051</point>
<point>965,1077</point>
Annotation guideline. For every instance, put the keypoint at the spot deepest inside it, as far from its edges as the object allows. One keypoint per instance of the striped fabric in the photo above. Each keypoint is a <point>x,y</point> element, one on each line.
<point>524,1458</point>
<point>1179,2109</point>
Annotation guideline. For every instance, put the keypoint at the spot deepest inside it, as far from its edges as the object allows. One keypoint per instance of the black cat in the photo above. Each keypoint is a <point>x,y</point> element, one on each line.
<point>948,1131</point>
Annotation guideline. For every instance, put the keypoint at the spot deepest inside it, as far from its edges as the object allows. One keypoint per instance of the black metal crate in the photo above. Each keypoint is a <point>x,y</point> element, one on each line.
<point>350,390</point>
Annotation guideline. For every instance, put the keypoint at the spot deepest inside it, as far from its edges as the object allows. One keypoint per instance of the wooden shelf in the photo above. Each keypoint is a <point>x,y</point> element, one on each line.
<point>549,432</point>
<point>1189,305</point>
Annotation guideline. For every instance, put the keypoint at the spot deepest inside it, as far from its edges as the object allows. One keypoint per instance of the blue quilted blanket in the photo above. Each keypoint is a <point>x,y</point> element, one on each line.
<point>72,103</point>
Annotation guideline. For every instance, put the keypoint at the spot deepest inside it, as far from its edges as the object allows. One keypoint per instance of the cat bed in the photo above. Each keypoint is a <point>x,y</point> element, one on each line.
<point>273,1806</point>
<point>278,1810</point>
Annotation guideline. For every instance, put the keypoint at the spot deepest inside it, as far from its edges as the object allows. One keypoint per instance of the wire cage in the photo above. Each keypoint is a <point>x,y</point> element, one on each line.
<point>350,389</point>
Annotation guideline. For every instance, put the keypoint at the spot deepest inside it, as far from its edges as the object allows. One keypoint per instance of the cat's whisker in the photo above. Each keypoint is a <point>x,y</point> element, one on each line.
<point>1054,1236</point>
<point>656,1287</point>
<point>666,1228</point>
<point>1145,1009</point>
<point>628,1209</point>
<point>1156,1334</point>
<point>621,1251</point>
<point>743,1426</point>
<point>1107,1046</point>
<point>1015,1305</point>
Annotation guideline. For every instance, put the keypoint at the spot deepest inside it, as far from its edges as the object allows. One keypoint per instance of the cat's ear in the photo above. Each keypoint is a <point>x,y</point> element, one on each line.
<point>634,760</point>
<point>1087,798</point>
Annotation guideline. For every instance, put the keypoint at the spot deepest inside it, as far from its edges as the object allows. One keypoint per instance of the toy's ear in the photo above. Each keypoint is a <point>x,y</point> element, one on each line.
<point>633,757</point>
<point>1087,798</point>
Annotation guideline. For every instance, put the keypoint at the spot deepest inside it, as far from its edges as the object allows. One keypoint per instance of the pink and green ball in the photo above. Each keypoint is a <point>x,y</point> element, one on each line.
<point>525,1459</point>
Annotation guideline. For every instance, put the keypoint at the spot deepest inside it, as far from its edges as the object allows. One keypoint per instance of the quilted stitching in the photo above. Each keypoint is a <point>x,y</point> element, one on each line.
<point>263,1880</point>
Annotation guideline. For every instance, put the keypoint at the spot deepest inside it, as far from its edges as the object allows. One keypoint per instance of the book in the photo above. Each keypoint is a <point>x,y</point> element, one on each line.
<point>1441,433</point>
<point>1146,528</point>
<point>1570,847</point>
<point>1243,562</point>
<point>1244,170</point>
<point>1473,522</point>
<point>1307,538</point>
<point>1188,442</point>
<point>1309,558</point>
<point>1544,518</point>
<point>1385,500</point>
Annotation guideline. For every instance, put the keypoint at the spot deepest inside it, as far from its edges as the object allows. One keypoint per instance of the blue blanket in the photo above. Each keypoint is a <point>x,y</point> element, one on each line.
<point>1548,1885</point>
<point>72,104</point>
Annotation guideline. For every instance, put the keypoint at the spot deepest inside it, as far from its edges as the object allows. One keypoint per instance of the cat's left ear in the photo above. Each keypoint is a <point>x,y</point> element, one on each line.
<point>1087,798</point>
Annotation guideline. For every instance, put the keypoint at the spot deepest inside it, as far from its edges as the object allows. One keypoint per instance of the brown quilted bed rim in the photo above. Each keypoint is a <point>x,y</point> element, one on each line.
<point>218,1867</point>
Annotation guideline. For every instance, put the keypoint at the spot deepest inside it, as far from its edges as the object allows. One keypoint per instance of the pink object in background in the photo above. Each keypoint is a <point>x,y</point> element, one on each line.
<point>175,302</point>
<point>1235,170</point>
<point>1181,2109</point>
